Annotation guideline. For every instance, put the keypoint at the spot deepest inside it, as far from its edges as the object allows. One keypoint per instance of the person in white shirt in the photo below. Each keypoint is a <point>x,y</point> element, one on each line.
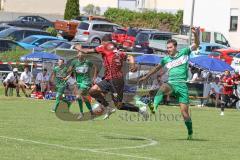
<point>25,81</point>
<point>11,81</point>
<point>216,89</point>
<point>42,81</point>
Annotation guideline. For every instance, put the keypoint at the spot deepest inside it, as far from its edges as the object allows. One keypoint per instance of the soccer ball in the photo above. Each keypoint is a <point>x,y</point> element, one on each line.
<point>98,109</point>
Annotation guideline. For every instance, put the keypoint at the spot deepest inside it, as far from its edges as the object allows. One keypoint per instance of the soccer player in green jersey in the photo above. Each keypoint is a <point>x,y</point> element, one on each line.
<point>59,75</point>
<point>82,68</point>
<point>177,68</point>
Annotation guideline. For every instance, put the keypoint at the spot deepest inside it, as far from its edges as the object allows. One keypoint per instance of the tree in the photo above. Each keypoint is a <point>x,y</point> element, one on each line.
<point>92,10</point>
<point>71,9</point>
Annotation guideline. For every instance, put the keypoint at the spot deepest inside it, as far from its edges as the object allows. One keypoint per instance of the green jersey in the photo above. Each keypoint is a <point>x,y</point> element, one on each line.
<point>82,70</point>
<point>177,67</point>
<point>60,72</point>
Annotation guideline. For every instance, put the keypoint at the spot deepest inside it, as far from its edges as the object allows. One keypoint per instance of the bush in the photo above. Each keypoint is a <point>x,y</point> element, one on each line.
<point>147,19</point>
<point>71,9</point>
<point>52,31</point>
<point>13,56</point>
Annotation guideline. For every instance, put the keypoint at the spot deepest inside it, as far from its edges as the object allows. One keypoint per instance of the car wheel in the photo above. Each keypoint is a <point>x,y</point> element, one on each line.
<point>96,40</point>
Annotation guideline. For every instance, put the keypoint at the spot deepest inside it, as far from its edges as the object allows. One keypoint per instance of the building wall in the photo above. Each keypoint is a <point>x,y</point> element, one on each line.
<point>35,6</point>
<point>214,15</point>
<point>52,6</point>
<point>169,5</point>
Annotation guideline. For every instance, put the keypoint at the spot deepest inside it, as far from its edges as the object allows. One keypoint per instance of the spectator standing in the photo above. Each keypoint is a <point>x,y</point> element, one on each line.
<point>216,90</point>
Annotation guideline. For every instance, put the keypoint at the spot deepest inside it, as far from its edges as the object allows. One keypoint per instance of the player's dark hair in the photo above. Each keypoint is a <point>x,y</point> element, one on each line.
<point>107,38</point>
<point>173,41</point>
<point>45,69</point>
<point>62,60</point>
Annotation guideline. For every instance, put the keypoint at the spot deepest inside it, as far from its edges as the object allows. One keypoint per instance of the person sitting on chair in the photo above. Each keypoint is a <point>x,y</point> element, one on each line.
<point>25,80</point>
<point>11,81</point>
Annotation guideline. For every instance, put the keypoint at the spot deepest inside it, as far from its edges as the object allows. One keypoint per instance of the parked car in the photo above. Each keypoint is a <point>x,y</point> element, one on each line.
<point>142,40</point>
<point>7,45</point>
<point>30,22</point>
<point>236,62</point>
<point>118,35</point>
<point>204,36</point>
<point>130,37</point>
<point>36,40</point>
<point>93,31</point>
<point>4,70</point>
<point>68,29</point>
<point>49,45</point>
<point>206,48</point>
<point>3,27</point>
<point>18,34</point>
<point>225,54</point>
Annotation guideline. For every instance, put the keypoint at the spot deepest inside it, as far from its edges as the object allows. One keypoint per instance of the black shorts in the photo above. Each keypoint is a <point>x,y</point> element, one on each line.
<point>116,86</point>
<point>38,87</point>
<point>10,84</point>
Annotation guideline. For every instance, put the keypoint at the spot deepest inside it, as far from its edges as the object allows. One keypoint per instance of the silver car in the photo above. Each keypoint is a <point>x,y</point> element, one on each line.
<point>93,31</point>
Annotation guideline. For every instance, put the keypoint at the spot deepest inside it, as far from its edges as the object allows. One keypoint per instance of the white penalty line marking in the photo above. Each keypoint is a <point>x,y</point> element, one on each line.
<point>76,148</point>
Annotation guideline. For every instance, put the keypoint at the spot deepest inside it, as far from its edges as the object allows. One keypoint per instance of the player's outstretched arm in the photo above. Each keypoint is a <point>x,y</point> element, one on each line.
<point>84,50</point>
<point>151,72</point>
<point>95,73</point>
<point>196,42</point>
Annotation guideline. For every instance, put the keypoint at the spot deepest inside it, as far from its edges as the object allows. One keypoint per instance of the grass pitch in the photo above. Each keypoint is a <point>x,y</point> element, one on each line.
<point>28,130</point>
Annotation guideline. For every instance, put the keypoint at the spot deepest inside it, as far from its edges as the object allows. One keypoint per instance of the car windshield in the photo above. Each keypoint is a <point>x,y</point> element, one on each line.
<point>142,37</point>
<point>29,40</point>
<point>120,31</point>
<point>215,54</point>
<point>50,44</point>
<point>83,26</point>
<point>65,46</point>
<point>238,55</point>
<point>132,32</point>
<point>7,32</point>
<point>19,18</point>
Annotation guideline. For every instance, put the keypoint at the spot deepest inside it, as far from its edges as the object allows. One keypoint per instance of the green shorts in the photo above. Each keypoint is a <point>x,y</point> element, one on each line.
<point>180,90</point>
<point>60,88</point>
<point>84,87</point>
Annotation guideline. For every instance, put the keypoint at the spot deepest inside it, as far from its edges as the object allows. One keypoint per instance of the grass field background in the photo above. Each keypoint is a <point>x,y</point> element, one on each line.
<point>28,130</point>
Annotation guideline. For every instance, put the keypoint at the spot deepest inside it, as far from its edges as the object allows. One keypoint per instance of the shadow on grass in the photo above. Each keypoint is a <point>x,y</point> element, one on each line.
<point>194,139</point>
<point>124,138</point>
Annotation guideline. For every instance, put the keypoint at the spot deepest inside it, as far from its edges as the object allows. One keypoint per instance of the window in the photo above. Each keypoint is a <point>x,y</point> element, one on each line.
<point>220,39</point>
<point>161,37</point>
<point>103,27</point>
<point>206,37</point>
<point>17,35</point>
<point>234,19</point>
<point>41,41</point>
<point>83,26</point>
<point>29,40</point>
<point>233,23</point>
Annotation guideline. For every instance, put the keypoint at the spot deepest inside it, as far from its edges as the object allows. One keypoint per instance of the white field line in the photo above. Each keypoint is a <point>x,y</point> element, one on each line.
<point>81,149</point>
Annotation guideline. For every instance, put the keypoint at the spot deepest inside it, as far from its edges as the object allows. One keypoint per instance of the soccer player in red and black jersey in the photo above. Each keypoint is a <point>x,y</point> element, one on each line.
<point>113,80</point>
<point>236,80</point>
<point>228,85</point>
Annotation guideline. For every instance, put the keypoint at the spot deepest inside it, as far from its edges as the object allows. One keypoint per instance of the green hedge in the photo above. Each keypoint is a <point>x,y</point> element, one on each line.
<point>147,19</point>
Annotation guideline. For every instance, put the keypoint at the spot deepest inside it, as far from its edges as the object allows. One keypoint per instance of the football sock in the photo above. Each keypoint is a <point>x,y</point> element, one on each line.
<point>158,99</point>
<point>80,104</point>
<point>188,124</point>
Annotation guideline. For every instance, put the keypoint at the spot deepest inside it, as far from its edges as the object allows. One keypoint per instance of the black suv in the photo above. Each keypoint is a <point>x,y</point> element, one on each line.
<point>142,40</point>
<point>18,34</point>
